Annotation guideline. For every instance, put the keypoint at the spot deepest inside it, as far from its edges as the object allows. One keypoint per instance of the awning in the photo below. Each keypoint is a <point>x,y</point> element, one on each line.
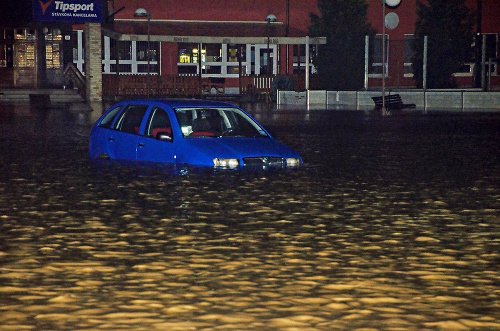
<point>207,32</point>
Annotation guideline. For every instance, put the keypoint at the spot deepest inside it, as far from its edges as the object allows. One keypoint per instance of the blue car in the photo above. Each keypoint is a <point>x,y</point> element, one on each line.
<point>187,132</point>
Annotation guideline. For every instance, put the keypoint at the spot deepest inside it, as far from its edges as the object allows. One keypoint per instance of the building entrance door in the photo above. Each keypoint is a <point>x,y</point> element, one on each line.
<point>265,60</point>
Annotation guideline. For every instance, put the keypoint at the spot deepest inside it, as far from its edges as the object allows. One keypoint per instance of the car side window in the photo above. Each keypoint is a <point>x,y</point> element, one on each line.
<point>158,122</point>
<point>130,119</point>
<point>107,121</point>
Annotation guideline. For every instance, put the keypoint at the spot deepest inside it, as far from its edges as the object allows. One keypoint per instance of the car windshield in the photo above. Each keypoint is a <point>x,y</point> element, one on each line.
<point>217,123</point>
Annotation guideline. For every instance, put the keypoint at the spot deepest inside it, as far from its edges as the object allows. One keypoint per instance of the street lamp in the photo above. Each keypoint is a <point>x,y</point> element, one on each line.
<point>141,12</point>
<point>390,3</point>
<point>269,19</point>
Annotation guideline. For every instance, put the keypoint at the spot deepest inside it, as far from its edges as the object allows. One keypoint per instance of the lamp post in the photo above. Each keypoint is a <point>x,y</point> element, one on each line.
<point>384,111</point>
<point>390,3</point>
<point>141,12</point>
<point>269,19</point>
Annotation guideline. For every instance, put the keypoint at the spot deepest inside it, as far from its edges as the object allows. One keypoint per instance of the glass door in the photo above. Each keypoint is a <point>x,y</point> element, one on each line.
<point>265,60</point>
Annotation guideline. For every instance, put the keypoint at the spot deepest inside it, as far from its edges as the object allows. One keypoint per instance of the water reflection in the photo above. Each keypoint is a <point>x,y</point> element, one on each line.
<point>391,223</point>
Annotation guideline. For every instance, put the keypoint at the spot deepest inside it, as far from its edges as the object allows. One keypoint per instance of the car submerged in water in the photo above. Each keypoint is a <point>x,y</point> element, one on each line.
<point>187,132</point>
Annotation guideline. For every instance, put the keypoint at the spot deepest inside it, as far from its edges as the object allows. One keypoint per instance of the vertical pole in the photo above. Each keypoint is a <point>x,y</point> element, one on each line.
<point>424,69</point>
<point>367,42</point>
<point>240,68</point>
<point>488,88</point>
<point>287,32</point>
<point>384,111</point>
<point>483,64</point>
<point>478,46</point>
<point>148,55</point>
<point>299,54</point>
<point>200,71</point>
<point>267,50</point>
<point>307,62</point>
<point>117,57</point>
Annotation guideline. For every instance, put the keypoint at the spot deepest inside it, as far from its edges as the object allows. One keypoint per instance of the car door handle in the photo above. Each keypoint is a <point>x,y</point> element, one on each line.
<point>140,145</point>
<point>111,139</point>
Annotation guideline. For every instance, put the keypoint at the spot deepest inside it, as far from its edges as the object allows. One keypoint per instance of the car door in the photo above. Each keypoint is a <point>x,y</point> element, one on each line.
<point>123,139</point>
<point>157,143</point>
<point>99,137</point>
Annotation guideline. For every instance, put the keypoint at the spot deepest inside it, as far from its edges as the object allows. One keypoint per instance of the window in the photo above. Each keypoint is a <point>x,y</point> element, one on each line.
<point>188,53</point>
<point>53,56</point>
<point>158,123</point>
<point>216,122</point>
<point>53,35</point>
<point>108,120</point>
<point>210,55</point>
<point>232,53</point>
<point>113,48</point>
<point>130,57</point>
<point>6,56</point>
<point>491,52</point>
<point>376,66</point>
<point>408,56</point>
<point>25,34</point>
<point>299,58</point>
<point>130,120</point>
<point>7,34</point>
<point>491,49</point>
<point>25,55</point>
<point>142,47</point>
<point>78,50</point>
<point>125,50</point>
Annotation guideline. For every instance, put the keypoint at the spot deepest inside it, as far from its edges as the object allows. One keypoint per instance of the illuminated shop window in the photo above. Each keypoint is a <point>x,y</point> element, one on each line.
<point>25,34</point>
<point>53,56</point>
<point>210,55</point>
<point>25,57</point>
<point>188,53</point>
<point>53,35</point>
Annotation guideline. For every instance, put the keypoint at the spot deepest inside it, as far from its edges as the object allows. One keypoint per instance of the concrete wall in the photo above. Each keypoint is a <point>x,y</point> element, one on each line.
<point>362,100</point>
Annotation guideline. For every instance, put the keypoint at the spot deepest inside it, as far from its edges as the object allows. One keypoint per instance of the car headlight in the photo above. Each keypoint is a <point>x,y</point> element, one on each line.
<point>293,162</point>
<point>226,163</point>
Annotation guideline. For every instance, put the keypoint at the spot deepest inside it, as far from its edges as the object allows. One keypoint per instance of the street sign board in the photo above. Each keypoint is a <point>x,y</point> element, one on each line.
<point>74,11</point>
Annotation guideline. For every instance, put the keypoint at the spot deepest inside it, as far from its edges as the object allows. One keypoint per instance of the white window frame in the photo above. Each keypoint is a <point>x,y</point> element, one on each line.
<point>80,55</point>
<point>133,62</point>
<point>387,59</point>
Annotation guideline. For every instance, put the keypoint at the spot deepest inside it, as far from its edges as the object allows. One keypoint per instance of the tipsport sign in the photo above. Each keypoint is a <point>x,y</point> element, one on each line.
<point>74,11</point>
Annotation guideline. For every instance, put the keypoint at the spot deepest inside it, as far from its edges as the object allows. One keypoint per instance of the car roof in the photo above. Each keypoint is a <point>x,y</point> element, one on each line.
<point>182,103</point>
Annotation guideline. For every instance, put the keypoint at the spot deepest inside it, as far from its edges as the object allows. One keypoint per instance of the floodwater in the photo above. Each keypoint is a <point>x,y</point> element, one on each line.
<point>391,224</point>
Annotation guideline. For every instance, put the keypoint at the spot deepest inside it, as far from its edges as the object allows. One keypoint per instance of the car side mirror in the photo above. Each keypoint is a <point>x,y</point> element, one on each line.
<point>163,137</point>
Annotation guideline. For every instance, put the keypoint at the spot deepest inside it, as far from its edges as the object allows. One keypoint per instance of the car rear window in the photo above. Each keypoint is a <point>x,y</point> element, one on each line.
<point>131,118</point>
<point>107,121</point>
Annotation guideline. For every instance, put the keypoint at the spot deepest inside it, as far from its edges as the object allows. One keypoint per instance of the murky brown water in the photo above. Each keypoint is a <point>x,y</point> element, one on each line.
<point>393,223</point>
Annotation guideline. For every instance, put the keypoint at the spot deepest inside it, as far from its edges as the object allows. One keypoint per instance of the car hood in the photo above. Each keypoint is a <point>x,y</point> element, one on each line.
<point>238,148</point>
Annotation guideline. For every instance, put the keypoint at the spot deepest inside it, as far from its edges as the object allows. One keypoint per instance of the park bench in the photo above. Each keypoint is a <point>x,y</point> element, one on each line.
<point>392,102</point>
